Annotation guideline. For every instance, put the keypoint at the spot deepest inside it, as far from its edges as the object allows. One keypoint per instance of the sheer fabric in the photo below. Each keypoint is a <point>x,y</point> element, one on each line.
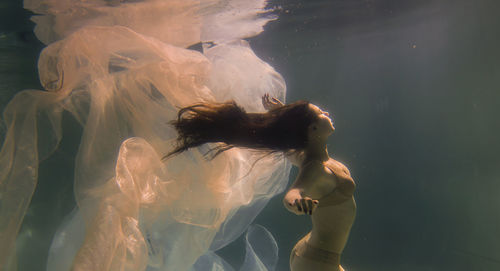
<point>119,68</point>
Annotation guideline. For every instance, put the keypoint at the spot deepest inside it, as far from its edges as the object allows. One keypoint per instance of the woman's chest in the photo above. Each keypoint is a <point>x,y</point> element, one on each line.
<point>333,176</point>
<point>325,182</point>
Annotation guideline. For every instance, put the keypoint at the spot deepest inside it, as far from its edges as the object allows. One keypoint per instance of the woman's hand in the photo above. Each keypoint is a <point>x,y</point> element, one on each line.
<point>270,103</point>
<point>303,206</point>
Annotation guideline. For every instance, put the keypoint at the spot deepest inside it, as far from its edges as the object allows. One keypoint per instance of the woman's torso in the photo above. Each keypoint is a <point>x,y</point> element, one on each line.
<point>333,218</point>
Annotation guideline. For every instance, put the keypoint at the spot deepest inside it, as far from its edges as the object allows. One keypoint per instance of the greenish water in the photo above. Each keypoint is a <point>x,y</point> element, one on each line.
<point>414,90</point>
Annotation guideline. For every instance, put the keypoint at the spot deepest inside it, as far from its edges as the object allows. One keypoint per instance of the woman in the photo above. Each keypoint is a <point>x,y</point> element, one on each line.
<point>323,189</point>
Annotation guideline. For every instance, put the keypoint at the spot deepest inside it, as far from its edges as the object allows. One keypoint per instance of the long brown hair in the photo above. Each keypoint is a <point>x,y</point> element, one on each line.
<point>281,129</point>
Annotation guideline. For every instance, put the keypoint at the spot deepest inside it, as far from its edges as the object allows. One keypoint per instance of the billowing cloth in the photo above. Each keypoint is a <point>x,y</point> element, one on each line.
<point>177,22</point>
<point>119,68</point>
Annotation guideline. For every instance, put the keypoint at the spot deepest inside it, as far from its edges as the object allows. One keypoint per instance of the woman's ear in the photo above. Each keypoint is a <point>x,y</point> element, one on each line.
<point>312,127</point>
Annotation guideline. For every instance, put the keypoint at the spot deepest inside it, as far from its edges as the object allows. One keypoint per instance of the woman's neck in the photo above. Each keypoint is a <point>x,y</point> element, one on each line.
<point>316,150</point>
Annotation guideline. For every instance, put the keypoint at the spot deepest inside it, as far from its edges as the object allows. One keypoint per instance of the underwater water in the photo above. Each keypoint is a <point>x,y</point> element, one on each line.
<point>414,91</point>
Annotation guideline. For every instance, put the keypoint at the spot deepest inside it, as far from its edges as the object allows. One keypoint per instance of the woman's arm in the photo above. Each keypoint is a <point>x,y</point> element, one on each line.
<point>297,199</point>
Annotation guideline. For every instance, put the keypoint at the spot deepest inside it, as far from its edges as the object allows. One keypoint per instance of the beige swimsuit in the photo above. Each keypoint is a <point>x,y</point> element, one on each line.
<point>316,255</point>
<point>304,250</point>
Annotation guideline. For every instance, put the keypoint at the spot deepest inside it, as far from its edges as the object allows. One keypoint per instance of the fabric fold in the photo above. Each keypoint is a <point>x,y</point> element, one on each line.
<point>124,82</point>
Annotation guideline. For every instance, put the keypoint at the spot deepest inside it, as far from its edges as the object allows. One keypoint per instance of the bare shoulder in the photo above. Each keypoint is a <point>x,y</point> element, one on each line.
<point>339,170</point>
<point>312,169</point>
<point>296,158</point>
<point>309,178</point>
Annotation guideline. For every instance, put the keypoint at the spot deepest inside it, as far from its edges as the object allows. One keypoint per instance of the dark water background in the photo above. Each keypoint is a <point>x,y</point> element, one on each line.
<point>414,90</point>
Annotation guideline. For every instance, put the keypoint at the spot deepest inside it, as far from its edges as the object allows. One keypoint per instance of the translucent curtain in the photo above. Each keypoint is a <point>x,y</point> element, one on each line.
<point>124,82</point>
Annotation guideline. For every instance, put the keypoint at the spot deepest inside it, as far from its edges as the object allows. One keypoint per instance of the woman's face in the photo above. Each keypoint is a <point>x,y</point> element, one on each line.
<point>324,125</point>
